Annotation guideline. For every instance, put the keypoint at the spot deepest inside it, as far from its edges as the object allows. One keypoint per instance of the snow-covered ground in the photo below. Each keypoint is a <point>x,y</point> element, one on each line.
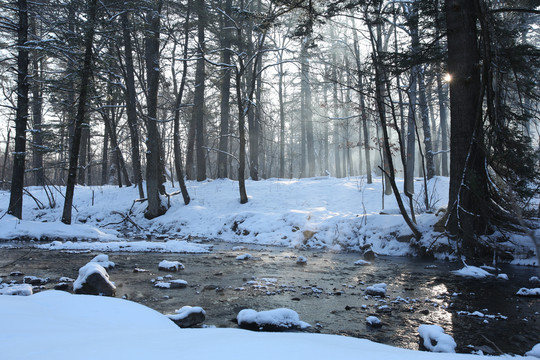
<point>321,212</point>
<point>57,325</point>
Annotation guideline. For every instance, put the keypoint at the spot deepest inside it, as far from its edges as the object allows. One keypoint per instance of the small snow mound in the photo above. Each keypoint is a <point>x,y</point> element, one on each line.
<point>16,289</point>
<point>377,289</point>
<point>301,260</point>
<point>528,292</point>
<point>373,321</point>
<point>502,277</point>
<point>245,256</point>
<point>186,311</point>
<point>362,262</point>
<point>167,265</point>
<point>534,279</point>
<point>472,272</point>
<point>238,248</point>
<point>535,351</point>
<point>103,260</point>
<point>436,340</point>
<point>271,320</point>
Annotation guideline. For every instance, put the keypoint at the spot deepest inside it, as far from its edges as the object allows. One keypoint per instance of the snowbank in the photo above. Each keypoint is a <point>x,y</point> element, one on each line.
<point>55,325</point>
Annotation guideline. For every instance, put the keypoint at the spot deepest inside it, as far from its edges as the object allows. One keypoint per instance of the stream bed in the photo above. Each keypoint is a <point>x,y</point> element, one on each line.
<point>328,291</point>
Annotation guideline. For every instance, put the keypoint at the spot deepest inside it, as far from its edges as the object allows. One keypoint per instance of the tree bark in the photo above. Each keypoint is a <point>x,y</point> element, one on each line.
<point>131,105</point>
<point>19,157</point>
<point>225,94</point>
<point>81,111</point>
<point>468,192</point>
<point>198,109</point>
<point>154,177</point>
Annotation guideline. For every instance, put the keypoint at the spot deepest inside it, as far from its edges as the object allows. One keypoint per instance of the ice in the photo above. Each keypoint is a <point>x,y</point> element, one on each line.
<point>472,272</point>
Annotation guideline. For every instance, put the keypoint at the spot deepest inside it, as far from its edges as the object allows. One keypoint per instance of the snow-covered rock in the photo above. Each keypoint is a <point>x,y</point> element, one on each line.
<point>166,265</point>
<point>245,256</point>
<point>374,321</point>
<point>301,260</point>
<point>271,320</point>
<point>434,339</point>
<point>103,260</point>
<point>16,289</point>
<point>376,289</point>
<point>188,316</point>
<point>94,280</point>
<point>362,262</point>
<point>472,272</point>
<point>534,280</point>
<point>502,277</point>
<point>35,281</point>
<point>528,292</point>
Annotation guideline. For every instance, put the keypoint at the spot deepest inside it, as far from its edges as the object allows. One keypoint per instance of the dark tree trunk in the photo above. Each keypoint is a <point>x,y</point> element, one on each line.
<point>428,142</point>
<point>37,133</point>
<point>19,157</point>
<point>225,94</point>
<point>154,176</point>
<point>81,111</point>
<point>105,158</point>
<point>307,114</point>
<point>131,106</point>
<point>336,138</point>
<point>178,104</point>
<point>468,193</point>
<point>198,109</point>
<point>281,95</point>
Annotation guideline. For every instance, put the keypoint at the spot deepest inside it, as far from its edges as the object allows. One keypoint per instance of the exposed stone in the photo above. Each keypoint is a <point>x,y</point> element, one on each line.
<point>188,316</point>
<point>94,280</point>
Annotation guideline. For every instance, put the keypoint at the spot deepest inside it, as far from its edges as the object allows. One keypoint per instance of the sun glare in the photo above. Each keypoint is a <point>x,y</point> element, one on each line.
<point>447,77</point>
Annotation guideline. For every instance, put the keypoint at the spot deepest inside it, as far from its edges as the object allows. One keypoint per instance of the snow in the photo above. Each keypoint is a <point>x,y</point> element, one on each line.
<point>185,311</point>
<point>472,272</point>
<point>61,326</point>
<point>16,289</point>
<point>244,257</point>
<point>89,269</point>
<point>337,214</point>
<point>377,289</point>
<point>103,260</point>
<point>502,277</point>
<point>282,317</point>
<point>535,351</point>
<point>435,333</point>
<point>362,262</point>
<point>373,320</point>
<point>171,265</point>
<point>528,292</point>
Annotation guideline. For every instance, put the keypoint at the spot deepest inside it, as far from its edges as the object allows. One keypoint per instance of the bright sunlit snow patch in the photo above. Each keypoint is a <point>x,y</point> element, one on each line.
<point>282,318</point>
<point>434,339</point>
<point>472,272</point>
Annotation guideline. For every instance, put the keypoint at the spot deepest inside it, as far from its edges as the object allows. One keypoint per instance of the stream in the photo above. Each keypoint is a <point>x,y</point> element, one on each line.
<point>328,291</point>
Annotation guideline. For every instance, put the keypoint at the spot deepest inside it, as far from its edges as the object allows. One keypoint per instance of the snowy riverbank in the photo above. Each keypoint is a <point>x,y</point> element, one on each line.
<point>322,212</point>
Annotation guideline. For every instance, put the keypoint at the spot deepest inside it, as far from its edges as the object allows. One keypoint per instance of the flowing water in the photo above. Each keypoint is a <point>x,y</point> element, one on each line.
<point>328,292</point>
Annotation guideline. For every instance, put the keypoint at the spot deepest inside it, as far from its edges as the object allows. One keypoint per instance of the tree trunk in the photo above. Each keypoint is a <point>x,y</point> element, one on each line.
<point>468,192</point>
<point>424,110</point>
<point>19,157</point>
<point>198,109</point>
<point>105,158</point>
<point>81,112</point>
<point>178,104</point>
<point>225,94</point>
<point>131,106</point>
<point>281,95</point>
<point>154,177</point>
<point>307,113</point>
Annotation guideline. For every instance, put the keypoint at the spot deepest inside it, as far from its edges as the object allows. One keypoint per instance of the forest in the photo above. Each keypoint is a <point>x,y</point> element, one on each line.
<point>321,179</point>
<point>142,93</point>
